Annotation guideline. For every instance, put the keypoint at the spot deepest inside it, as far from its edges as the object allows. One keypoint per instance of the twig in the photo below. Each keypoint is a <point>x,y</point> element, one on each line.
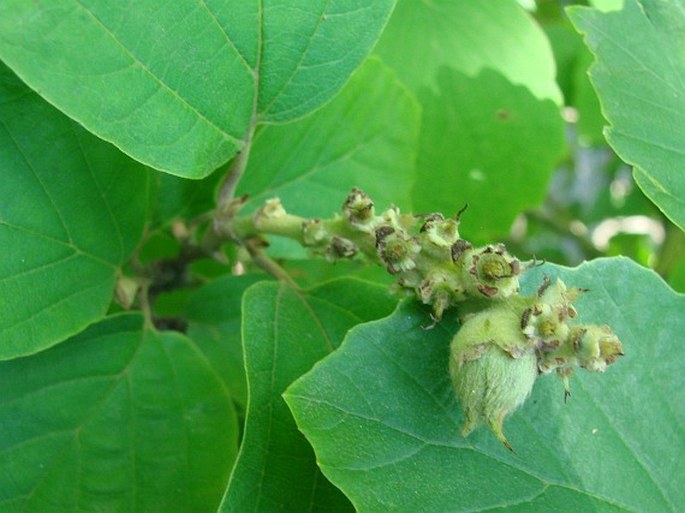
<point>145,306</point>
<point>267,263</point>
<point>235,171</point>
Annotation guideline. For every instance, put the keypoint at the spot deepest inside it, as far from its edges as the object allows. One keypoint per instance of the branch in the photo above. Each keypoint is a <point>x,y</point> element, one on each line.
<point>235,171</point>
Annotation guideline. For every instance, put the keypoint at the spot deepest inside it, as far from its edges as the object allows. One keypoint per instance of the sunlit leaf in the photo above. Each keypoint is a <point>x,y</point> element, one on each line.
<point>640,80</point>
<point>491,130</point>
<point>179,85</point>
<point>488,144</point>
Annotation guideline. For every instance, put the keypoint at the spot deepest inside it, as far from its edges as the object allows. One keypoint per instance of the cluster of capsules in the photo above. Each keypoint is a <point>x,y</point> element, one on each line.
<point>505,340</point>
<point>425,253</point>
<point>499,352</point>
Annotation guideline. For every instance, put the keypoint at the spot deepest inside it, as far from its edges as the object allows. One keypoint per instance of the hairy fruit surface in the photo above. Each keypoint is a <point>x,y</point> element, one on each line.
<point>493,368</point>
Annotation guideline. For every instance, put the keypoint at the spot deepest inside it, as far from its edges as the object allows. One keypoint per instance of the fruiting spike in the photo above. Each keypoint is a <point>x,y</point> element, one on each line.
<point>506,340</point>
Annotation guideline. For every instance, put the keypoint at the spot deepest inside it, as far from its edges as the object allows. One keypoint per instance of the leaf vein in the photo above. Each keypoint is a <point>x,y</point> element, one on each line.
<point>161,84</point>
<point>298,66</point>
<point>211,13</point>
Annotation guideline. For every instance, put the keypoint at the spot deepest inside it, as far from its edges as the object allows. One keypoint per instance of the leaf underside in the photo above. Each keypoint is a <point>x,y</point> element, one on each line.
<point>384,423</point>
<point>640,81</point>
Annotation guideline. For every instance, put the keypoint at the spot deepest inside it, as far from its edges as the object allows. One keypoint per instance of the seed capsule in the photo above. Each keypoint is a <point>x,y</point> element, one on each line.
<point>588,346</point>
<point>440,232</point>
<point>359,211</point>
<point>396,249</point>
<point>493,368</point>
<point>491,272</point>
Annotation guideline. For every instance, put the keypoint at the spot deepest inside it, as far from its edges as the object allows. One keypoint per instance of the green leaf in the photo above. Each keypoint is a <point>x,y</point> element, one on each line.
<point>213,313</point>
<point>607,5</point>
<point>384,423</point>
<point>491,130</point>
<point>366,137</point>
<point>423,37</point>
<point>566,44</point>
<point>178,86</point>
<point>487,144</point>
<point>284,333</point>
<point>639,76</point>
<point>573,60</point>
<point>178,198</point>
<point>314,271</point>
<point>119,418</point>
<point>591,122</point>
<point>72,209</point>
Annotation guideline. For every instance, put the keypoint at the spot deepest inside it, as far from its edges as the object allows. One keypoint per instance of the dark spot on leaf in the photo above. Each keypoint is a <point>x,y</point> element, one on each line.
<point>503,114</point>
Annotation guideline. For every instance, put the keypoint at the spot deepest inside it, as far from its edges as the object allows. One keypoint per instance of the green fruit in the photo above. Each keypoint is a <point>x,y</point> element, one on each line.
<point>493,368</point>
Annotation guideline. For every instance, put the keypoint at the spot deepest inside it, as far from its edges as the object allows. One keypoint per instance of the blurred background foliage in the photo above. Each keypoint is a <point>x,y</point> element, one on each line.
<point>593,207</point>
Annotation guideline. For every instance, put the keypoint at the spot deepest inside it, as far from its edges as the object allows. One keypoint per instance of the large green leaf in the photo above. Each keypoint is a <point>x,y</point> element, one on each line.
<point>366,137</point>
<point>384,423</point>
<point>491,130</point>
<point>214,313</point>
<point>423,37</point>
<point>488,144</point>
<point>607,5</point>
<point>72,209</point>
<point>640,79</point>
<point>178,85</point>
<point>119,418</point>
<point>284,333</point>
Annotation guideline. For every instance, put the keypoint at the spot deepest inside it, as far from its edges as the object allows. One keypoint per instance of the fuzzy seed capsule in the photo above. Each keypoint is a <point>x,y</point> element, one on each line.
<point>493,368</point>
<point>545,323</point>
<point>440,232</point>
<point>441,289</point>
<point>591,347</point>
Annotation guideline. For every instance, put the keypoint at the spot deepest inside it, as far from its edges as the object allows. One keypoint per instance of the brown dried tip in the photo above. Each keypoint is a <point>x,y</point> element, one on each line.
<point>458,249</point>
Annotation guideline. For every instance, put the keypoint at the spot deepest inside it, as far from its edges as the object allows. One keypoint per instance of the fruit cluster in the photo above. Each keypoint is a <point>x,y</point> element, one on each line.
<point>498,352</point>
<point>505,341</point>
